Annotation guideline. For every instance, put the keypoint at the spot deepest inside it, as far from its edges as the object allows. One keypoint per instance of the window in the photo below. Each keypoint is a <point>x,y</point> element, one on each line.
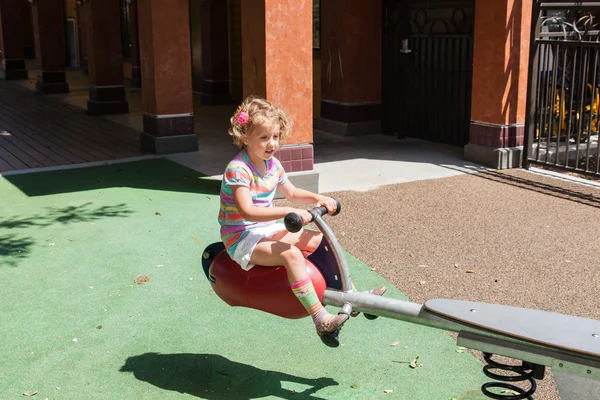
<point>125,39</point>
<point>316,24</point>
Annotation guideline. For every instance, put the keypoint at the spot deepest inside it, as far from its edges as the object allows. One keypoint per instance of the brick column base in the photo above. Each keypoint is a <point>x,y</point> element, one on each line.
<point>349,119</point>
<point>14,70</point>
<point>166,134</point>
<point>495,146</point>
<point>296,157</point>
<point>298,162</point>
<point>51,82</point>
<point>107,100</point>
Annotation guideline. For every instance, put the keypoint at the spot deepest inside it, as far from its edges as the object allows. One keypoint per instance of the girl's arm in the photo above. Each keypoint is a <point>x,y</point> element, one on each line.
<point>250,212</point>
<point>302,196</point>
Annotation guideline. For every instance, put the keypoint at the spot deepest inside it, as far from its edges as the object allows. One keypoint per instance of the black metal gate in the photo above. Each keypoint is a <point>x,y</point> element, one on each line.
<point>427,69</point>
<point>564,87</point>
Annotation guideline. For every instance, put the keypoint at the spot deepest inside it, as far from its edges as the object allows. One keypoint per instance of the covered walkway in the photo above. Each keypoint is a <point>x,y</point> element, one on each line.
<point>41,131</point>
<point>38,131</point>
<point>61,133</point>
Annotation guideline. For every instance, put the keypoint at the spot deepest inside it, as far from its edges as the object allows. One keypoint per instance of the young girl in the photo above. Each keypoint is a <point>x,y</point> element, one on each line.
<point>247,217</point>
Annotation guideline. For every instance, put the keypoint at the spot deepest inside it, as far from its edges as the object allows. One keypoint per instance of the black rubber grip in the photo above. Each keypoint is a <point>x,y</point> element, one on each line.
<point>293,222</point>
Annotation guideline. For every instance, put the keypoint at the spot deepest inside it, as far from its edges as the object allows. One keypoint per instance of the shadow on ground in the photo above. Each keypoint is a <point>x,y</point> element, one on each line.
<point>211,376</point>
<point>66,215</point>
<point>14,248</point>
<point>572,191</point>
<point>155,174</point>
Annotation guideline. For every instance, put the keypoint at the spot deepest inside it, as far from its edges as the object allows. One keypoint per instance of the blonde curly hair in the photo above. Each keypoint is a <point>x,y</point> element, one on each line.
<point>259,112</point>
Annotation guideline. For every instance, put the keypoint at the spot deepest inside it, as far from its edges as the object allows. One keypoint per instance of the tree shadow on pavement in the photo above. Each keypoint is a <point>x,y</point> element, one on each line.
<point>66,215</point>
<point>14,248</point>
<point>211,376</point>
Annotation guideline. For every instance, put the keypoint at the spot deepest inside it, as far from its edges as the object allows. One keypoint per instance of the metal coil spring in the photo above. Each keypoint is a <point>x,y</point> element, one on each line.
<point>525,372</point>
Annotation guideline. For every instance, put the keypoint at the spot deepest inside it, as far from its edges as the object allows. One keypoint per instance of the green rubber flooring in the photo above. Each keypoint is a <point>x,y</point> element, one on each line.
<point>74,324</point>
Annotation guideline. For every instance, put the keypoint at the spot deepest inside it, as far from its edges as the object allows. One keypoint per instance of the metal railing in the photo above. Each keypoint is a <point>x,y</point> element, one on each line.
<point>562,122</point>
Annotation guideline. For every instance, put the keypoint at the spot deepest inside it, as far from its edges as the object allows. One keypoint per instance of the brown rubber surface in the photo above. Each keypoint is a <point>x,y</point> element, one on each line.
<point>505,237</point>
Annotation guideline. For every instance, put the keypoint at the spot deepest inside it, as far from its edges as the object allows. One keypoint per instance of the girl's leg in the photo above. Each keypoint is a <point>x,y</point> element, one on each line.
<point>271,252</point>
<point>307,240</point>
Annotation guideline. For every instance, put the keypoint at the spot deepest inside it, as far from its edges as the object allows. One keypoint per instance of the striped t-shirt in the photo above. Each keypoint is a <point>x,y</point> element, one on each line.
<point>240,171</point>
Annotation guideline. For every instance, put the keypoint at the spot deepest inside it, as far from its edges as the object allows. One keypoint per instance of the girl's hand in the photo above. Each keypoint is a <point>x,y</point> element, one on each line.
<point>304,214</point>
<point>327,202</point>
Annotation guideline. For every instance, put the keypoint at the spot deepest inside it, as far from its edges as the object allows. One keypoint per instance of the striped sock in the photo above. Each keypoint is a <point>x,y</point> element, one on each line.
<point>305,292</point>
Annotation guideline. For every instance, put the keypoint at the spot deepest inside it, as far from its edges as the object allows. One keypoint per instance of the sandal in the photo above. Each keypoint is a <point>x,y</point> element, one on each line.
<point>331,325</point>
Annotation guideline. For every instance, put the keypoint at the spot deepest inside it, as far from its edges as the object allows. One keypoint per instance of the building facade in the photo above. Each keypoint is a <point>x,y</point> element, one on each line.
<point>447,71</point>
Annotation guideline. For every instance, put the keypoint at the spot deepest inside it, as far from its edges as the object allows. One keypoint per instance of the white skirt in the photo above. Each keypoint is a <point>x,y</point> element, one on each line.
<point>246,246</point>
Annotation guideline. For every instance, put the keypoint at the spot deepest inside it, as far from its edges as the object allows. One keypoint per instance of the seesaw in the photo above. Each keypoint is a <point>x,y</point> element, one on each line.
<point>569,345</point>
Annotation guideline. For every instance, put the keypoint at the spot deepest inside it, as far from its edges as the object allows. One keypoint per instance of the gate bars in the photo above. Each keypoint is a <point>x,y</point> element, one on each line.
<point>563,96</point>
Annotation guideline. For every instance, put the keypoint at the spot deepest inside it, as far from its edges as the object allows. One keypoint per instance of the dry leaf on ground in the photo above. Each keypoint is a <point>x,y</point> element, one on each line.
<point>141,279</point>
<point>415,363</point>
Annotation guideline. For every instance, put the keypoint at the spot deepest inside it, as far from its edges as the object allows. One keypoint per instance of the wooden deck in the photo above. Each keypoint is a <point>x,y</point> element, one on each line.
<point>40,131</point>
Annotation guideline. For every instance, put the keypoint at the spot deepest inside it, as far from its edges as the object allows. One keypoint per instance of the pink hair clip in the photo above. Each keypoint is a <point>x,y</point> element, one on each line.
<point>242,118</point>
